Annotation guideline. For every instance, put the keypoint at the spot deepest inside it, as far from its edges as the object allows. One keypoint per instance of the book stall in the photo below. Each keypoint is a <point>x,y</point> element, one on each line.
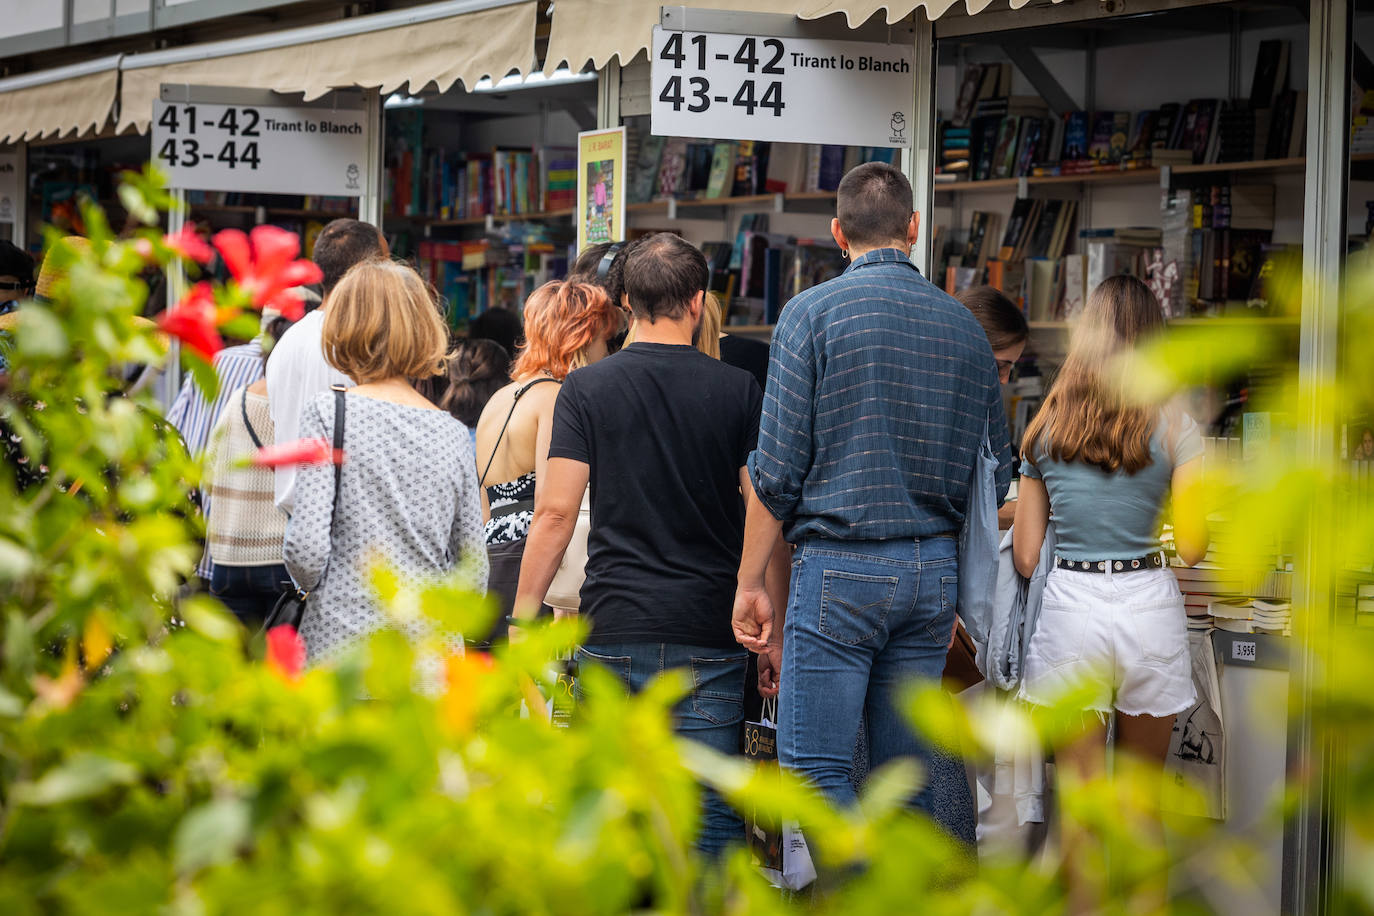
<point>1204,147</point>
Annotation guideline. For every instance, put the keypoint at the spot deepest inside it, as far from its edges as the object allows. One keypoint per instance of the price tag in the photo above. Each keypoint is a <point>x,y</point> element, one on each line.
<point>9,187</point>
<point>265,149</point>
<point>797,90</point>
<point>1243,650</point>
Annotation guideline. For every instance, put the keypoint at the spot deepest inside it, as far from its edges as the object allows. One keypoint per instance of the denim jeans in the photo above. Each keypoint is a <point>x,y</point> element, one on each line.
<point>249,591</point>
<point>710,714</point>
<point>864,619</point>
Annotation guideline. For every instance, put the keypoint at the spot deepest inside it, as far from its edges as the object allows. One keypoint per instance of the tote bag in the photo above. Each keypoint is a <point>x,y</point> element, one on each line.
<point>978,548</point>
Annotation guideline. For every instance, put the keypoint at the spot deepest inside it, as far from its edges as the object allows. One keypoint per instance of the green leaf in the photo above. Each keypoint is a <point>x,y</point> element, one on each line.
<point>211,834</point>
<point>11,707</point>
<point>207,380</point>
<point>81,776</point>
<point>40,332</point>
<point>208,618</point>
<point>244,327</point>
<point>133,200</point>
<point>15,561</point>
<point>19,649</point>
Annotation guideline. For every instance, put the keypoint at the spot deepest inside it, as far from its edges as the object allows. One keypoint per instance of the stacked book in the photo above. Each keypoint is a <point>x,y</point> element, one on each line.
<point>1362,126</point>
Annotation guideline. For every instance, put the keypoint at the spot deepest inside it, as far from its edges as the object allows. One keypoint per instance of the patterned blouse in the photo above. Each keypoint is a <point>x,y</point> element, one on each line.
<point>408,497</point>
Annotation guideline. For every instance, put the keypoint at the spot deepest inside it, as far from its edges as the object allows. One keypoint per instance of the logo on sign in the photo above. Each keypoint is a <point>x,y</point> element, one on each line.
<point>6,210</point>
<point>898,125</point>
<point>353,174</point>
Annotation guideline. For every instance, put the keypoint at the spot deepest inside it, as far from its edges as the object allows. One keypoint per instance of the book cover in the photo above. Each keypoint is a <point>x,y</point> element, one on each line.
<point>1004,159</point>
<point>1197,128</point>
<point>1016,224</point>
<point>722,172</point>
<point>1142,134</point>
<point>977,230</point>
<point>1167,121</point>
<point>673,168</point>
<point>831,167</point>
<point>984,149</point>
<point>968,93</point>
<point>1032,130</point>
<point>786,171</point>
<point>1271,73</point>
<point>1043,236</point>
<point>1075,136</point>
<point>1120,138</point>
<point>700,156</point>
<point>1100,144</point>
<point>643,174</point>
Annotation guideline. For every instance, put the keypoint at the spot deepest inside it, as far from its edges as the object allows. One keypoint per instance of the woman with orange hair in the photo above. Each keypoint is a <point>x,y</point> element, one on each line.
<point>567,325</point>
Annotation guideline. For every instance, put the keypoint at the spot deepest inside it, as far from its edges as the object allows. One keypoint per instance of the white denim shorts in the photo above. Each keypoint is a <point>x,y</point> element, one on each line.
<point>1121,637</point>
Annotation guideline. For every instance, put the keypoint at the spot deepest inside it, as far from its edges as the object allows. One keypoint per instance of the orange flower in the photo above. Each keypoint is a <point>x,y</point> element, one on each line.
<point>465,674</point>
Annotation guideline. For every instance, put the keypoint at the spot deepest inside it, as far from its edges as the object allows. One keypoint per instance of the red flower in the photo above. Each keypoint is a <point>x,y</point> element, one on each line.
<point>300,452</point>
<point>285,652</point>
<point>194,321</point>
<point>188,244</point>
<point>265,266</point>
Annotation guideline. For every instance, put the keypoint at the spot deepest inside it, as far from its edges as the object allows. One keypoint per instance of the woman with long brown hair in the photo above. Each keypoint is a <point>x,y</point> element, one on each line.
<point>567,325</point>
<point>1112,628</point>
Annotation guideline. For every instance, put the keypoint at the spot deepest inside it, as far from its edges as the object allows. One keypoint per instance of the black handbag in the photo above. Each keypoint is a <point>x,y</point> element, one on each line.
<point>290,607</point>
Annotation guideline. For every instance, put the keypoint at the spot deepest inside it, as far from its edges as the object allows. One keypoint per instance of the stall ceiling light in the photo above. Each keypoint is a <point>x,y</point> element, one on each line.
<point>513,82</point>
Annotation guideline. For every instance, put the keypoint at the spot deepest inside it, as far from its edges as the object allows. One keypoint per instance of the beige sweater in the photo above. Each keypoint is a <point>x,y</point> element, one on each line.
<point>243,527</point>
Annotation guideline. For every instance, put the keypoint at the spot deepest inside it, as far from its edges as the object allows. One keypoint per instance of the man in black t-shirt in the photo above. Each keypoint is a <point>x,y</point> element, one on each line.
<point>662,433</point>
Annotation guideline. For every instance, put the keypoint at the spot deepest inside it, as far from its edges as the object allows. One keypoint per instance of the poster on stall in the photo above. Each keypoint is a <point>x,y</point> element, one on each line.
<point>600,187</point>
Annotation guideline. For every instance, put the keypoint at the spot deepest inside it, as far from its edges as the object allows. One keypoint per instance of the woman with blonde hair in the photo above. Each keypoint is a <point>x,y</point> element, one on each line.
<point>406,494</point>
<point>1112,627</point>
<point>567,325</point>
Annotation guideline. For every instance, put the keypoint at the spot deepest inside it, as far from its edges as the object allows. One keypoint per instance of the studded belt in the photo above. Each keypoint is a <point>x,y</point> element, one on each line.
<point>1153,561</point>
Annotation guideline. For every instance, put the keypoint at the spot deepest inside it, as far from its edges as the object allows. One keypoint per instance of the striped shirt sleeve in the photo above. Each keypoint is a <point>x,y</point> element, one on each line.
<point>780,463</point>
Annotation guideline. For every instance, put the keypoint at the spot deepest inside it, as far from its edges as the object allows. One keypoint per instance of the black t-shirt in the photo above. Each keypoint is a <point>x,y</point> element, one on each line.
<point>665,430</point>
<point>748,354</point>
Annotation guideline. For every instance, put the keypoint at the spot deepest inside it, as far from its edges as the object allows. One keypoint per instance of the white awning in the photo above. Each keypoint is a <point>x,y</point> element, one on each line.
<point>598,30</point>
<point>53,103</point>
<point>442,43</point>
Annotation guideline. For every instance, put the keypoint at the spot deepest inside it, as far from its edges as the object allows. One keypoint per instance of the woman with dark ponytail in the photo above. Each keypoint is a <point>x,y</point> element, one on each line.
<point>477,369</point>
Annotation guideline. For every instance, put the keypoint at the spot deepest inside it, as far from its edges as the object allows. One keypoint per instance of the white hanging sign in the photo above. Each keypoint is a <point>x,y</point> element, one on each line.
<point>793,90</point>
<point>9,187</point>
<point>268,149</point>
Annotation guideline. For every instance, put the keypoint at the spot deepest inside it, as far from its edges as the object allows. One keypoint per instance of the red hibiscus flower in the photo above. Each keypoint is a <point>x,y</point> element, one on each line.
<point>194,321</point>
<point>285,652</point>
<point>266,267</point>
<point>188,244</point>
<point>300,452</point>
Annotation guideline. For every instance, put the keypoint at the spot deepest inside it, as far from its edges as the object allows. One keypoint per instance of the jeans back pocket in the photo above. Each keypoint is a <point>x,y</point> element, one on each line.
<point>1161,629</point>
<point>854,606</point>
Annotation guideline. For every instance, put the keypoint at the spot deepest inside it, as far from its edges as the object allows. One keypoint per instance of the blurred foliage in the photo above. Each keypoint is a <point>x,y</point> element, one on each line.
<point>149,760</point>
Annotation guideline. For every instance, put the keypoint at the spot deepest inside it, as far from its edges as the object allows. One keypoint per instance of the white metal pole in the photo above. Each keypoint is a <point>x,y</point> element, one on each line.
<point>919,160</point>
<point>370,203</point>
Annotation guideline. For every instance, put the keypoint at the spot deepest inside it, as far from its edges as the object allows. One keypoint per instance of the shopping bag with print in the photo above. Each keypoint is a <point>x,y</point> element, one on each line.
<point>779,850</point>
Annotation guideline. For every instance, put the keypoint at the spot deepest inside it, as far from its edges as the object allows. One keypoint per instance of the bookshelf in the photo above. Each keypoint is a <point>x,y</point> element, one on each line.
<point>1142,176</point>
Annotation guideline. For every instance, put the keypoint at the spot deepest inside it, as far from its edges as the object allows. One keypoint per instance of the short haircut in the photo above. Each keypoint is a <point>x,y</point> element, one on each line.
<point>662,275</point>
<point>1003,323</point>
<point>561,319</point>
<point>343,243</point>
<point>874,205</point>
<point>383,323</point>
<point>477,369</point>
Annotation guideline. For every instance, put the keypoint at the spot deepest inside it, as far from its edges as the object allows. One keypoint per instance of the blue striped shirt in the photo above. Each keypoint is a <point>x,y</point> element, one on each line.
<point>194,417</point>
<point>880,390</point>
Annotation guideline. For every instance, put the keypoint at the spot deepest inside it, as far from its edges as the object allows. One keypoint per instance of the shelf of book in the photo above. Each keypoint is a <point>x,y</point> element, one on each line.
<point>1143,176</point>
<point>272,211</point>
<point>751,200</point>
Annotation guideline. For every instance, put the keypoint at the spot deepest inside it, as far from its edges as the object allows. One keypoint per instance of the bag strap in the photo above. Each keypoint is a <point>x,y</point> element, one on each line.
<point>515,400</point>
<point>340,408</point>
<point>248,424</point>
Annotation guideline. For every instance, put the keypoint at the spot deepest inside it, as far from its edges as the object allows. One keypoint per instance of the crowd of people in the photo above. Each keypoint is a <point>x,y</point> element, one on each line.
<point>784,519</point>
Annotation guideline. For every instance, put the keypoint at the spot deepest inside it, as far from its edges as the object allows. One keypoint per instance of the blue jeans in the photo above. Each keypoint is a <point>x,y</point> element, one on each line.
<point>865,618</point>
<point>250,591</point>
<point>710,714</point>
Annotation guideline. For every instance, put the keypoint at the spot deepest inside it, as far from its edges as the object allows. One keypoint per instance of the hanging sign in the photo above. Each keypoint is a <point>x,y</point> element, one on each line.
<point>793,90</point>
<point>211,145</point>
<point>9,187</point>
<point>600,186</point>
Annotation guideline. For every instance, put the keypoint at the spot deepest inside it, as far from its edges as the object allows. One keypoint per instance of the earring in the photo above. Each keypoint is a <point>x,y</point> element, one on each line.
<point>844,254</point>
